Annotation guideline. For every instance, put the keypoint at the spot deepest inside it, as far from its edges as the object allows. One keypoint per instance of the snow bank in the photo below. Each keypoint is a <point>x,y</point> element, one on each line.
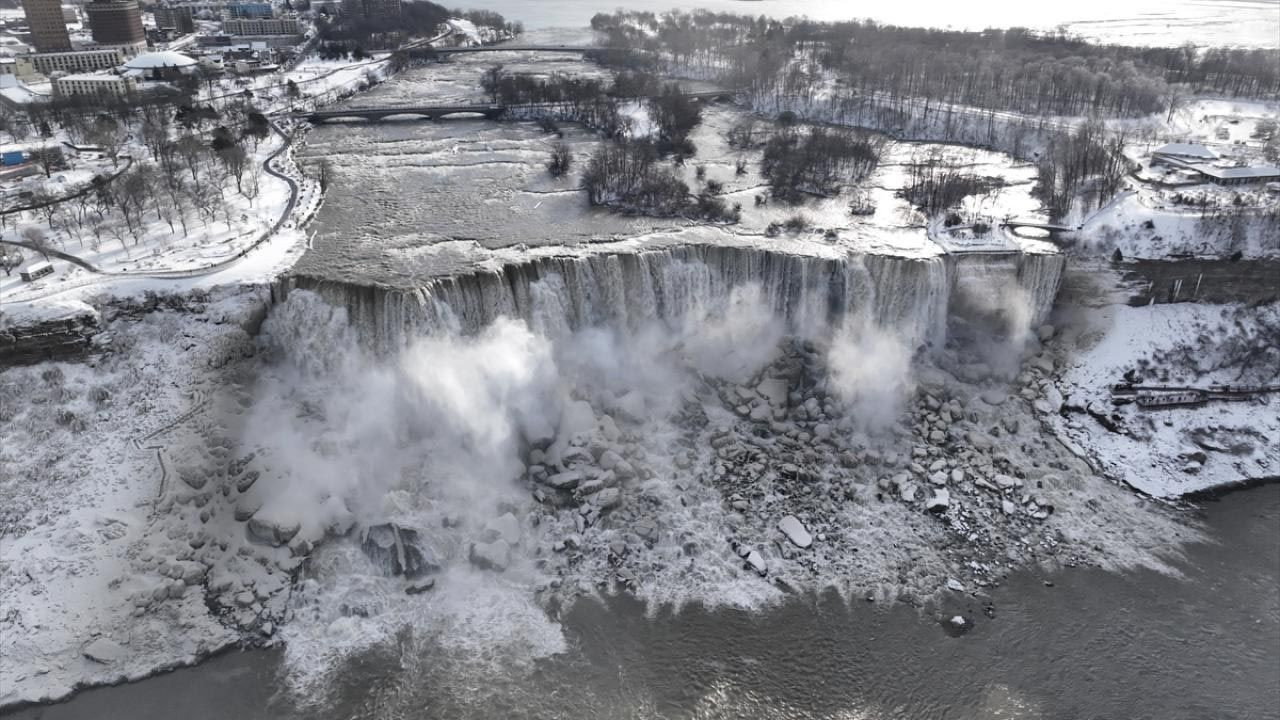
<point>1172,451</point>
<point>93,557</point>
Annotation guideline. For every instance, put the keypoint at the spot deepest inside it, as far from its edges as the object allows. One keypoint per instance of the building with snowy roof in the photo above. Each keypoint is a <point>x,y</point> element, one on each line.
<point>94,85</point>
<point>1238,175</point>
<point>161,65</point>
<point>1179,153</point>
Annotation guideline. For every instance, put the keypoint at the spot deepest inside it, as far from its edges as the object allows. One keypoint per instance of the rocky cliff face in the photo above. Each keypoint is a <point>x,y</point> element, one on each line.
<point>68,333</point>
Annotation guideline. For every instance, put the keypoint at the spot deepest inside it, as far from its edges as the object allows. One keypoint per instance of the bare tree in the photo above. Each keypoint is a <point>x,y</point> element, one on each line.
<point>48,159</point>
<point>108,135</point>
<point>192,152</point>
<point>561,159</point>
<point>10,258</point>
<point>37,240</point>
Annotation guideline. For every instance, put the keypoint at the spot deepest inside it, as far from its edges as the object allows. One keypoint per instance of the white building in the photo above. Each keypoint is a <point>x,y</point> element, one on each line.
<point>94,84</point>
<point>19,66</point>
<point>74,61</point>
<point>261,26</point>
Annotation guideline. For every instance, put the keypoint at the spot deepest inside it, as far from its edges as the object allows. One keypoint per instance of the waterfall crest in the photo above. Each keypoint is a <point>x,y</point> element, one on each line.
<point>556,294</point>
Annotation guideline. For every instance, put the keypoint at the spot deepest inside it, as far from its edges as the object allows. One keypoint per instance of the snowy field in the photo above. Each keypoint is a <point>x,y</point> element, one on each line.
<point>1173,451</point>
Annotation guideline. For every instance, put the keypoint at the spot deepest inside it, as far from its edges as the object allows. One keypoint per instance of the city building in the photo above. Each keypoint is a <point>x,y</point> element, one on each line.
<point>176,18</point>
<point>79,60</point>
<point>249,10</point>
<point>380,8</point>
<point>116,22</point>
<point>262,26</point>
<point>48,28</point>
<point>202,9</point>
<point>94,84</point>
<point>19,66</point>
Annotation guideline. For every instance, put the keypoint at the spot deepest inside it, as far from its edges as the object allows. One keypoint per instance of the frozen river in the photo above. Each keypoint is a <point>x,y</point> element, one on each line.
<point>1250,23</point>
<point>1074,644</point>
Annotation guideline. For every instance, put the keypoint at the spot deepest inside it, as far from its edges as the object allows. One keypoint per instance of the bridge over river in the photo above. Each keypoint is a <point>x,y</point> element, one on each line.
<point>491,111</point>
<point>1037,225</point>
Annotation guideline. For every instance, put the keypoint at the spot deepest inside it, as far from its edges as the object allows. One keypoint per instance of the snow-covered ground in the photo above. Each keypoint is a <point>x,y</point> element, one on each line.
<point>100,578</point>
<point>1146,223</point>
<point>186,473</point>
<point>1168,452</point>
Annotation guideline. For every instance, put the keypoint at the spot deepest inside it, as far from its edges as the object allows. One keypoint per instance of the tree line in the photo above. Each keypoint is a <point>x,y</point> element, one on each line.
<point>1012,70</point>
<point>938,181</point>
<point>416,19</point>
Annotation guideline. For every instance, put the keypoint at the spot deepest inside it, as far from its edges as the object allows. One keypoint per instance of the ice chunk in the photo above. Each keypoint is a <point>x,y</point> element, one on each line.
<point>795,531</point>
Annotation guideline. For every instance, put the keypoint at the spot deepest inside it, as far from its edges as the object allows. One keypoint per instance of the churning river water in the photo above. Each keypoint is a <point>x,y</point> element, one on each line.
<point>1072,644</point>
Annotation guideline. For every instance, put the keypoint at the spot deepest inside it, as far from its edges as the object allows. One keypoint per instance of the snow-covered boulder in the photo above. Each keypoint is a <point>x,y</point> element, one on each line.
<point>795,531</point>
<point>494,555</point>
<point>104,650</point>
<point>939,501</point>
<point>505,527</point>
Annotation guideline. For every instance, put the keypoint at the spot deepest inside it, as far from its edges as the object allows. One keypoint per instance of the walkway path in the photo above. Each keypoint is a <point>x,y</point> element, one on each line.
<point>103,276</point>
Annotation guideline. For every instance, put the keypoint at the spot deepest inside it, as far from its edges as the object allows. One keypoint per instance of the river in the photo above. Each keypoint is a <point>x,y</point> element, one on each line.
<point>1072,644</point>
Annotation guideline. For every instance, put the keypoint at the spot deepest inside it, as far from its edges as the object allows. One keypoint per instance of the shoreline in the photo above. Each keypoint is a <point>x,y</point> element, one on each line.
<point>271,657</point>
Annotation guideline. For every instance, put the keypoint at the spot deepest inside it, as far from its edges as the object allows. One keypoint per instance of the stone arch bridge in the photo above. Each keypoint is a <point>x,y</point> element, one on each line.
<point>490,111</point>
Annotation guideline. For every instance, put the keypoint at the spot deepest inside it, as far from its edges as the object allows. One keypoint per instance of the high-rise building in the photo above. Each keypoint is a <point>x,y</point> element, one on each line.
<point>116,22</point>
<point>177,18</point>
<point>48,28</point>
<point>380,8</point>
<point>249,10</point>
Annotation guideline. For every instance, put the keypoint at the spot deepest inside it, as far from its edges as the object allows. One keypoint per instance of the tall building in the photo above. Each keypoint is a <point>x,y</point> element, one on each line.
<point>177,18</point>
<point>116,22</point>
<point>380,8</point>
<point>250,10</point>
<point>48,28</point>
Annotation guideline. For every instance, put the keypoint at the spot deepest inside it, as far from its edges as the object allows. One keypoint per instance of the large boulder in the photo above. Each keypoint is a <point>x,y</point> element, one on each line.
<point>272,531</point>
<point>494,555</point>
<point>566,480</point>
<point>608,498</point>
<point>1007,481</point>
<point>939,501</point>
<point>774,390</point>
<point>795,531</point>
<point>399,551</point>
<point>505,527</point>
<point>104,650</point>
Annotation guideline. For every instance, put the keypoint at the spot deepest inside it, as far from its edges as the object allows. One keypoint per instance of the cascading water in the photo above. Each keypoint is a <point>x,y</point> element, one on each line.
<point>1017,289</point>
<point>813,295</point>
<point>473,418</point>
